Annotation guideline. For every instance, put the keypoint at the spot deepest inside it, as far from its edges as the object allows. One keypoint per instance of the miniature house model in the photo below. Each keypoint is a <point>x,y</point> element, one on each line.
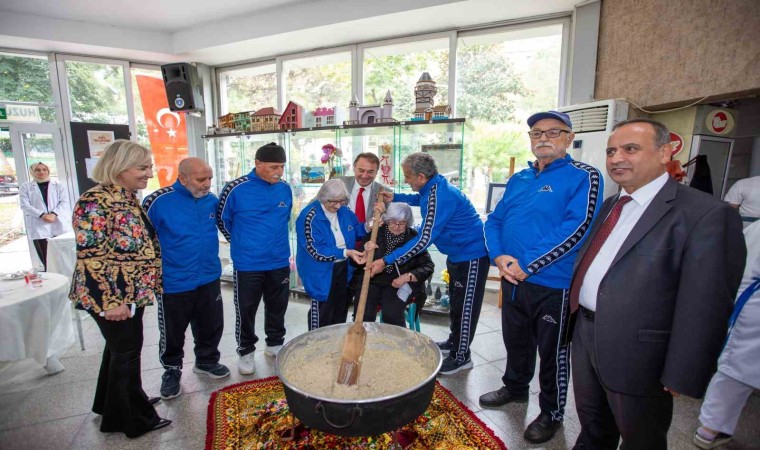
<point>370,114</point>
<point>292,117</point>
<point>327,117</point>
<point>265,119</point>
<point>424,95</point>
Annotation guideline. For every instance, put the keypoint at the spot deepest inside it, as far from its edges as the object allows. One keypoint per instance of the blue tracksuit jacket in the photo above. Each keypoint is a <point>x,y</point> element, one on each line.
<point>448,220</point>
<point>186,229</point>
<point>253,215</point>
<point>317,252</point>
<point>544,217</point>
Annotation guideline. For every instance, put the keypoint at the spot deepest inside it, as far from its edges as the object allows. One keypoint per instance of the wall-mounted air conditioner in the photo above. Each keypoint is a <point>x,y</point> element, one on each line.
<point>592,124</point>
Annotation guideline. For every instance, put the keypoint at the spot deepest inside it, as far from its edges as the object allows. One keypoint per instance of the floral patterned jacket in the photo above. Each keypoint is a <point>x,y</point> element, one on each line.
<point>118,255</point>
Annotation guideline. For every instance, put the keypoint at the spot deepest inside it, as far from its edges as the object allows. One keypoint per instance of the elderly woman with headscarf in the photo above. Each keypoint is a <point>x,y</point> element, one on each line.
<point>326,231</point>
<point>396,286</point>
<point>46,206</point>
<point>118,274</point>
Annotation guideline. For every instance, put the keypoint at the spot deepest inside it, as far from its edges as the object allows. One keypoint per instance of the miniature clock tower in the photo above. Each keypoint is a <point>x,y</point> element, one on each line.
<point>425,91</point>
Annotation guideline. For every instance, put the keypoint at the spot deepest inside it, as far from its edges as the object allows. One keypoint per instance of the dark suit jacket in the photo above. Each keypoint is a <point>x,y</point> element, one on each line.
<point>663,306</point>
<point>374,189</point>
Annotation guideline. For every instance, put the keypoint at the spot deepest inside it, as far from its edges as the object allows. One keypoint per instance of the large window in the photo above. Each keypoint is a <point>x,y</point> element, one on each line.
<point>248,89</point>
<point>25,84</point>
<point>97,92</point>
<point>398,68</point>
<point>502,78</point>
<point>323,80</point>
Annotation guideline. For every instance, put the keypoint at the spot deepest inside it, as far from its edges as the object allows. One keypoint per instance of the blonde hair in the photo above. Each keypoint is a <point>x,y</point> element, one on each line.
<point>119,156</point>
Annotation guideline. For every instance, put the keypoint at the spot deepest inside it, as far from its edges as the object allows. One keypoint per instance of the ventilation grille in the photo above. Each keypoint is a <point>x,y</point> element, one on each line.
<point>589,119</point>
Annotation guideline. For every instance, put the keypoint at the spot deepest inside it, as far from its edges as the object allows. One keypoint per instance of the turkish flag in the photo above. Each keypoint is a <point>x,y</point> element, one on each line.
<point>166,129</point>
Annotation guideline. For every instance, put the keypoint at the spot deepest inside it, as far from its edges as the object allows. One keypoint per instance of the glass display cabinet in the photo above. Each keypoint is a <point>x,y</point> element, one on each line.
<point>232,155</point>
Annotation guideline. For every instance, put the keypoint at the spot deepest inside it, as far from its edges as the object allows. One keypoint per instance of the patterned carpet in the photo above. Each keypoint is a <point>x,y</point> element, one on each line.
<point>255,415</point>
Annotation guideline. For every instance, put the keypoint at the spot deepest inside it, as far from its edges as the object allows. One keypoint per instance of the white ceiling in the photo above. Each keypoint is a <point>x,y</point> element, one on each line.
<point>228,31</point>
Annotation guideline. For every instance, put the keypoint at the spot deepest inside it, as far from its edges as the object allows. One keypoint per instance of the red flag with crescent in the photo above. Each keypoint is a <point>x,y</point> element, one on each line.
<point>166,129</point>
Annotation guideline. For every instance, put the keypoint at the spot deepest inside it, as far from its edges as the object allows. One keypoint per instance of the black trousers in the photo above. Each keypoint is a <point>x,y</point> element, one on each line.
<point>467,284</point>
<point>605,416</point>
<point>40,246</point>
<point>250,287</point>
<point>200,308</point>
<point>119,396</point>
<point>331,311</point>
<point>391,306</point>
<point>536,316</point>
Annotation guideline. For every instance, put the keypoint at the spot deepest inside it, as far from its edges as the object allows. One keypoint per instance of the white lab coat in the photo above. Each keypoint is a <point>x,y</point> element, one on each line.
<point>741,357</point>
<point>33,206</point>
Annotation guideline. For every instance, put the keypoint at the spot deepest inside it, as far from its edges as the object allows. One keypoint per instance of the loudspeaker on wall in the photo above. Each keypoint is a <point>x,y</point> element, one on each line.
<point>183,87</point>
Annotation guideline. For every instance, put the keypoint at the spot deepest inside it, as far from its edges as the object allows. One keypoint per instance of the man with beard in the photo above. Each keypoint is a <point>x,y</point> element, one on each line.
<point>183,216</point>
<point>532,236</point>
<point>253,214</point>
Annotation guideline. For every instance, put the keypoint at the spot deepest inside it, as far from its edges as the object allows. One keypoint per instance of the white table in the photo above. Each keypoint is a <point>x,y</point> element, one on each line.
<point>36,323</point>
<point>62,254</point>
<point>61,259</point>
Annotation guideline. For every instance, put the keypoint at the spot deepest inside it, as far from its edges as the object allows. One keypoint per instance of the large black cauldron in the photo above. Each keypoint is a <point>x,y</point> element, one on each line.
<point>367,417</point>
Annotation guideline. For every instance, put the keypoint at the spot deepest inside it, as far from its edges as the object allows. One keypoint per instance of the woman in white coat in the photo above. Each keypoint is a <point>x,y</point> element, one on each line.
<point>47,212</point>
<point>738,372</point>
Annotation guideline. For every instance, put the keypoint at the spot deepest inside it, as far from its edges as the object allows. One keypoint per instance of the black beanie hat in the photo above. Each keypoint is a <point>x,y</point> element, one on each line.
<point>271,152</point>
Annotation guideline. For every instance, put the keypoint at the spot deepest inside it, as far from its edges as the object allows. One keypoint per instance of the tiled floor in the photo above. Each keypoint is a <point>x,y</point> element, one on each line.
<point>38,411</point>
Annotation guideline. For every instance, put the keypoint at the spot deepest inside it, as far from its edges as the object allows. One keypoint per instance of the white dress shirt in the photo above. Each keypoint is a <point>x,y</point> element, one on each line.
<point>340,241</point>
<point>355,195</point>
<point>632,212</point>
<point>746,194</point>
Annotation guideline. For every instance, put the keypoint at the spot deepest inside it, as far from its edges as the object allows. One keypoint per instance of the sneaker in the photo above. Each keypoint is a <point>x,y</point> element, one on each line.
<point>501,397</point>
<point>445,347</point>
<point>170,383</point>
<point>705,443</point>
<point>451,366</point>
<point>246,364</point>
<point>273,350</point>
<point>214,370</point>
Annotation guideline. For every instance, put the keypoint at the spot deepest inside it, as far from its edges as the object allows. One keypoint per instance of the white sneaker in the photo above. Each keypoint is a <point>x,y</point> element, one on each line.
<point>273,351</point>
<point>246,364</point>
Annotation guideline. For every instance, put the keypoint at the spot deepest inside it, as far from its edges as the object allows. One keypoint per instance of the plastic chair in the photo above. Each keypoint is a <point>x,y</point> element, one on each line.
<point>410,314</point>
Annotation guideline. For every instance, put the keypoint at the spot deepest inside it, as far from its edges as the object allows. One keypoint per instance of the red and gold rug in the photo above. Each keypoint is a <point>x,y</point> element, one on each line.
<point>255,415</point>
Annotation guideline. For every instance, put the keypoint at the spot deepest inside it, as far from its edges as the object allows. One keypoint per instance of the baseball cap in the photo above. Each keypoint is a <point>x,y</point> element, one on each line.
<point>556,115</point>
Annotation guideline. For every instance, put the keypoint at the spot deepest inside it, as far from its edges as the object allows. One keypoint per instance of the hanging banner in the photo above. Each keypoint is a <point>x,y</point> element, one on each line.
<point>166,129</point>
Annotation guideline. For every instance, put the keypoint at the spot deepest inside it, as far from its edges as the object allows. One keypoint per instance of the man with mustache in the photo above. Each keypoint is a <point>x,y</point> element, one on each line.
<point>253,215</point>
<point>654,287</point>
<point>183,216</point>
<point>532,236</point>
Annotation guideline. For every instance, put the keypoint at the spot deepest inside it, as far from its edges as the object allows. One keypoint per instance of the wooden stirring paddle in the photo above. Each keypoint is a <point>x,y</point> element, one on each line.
<point>356,337</point>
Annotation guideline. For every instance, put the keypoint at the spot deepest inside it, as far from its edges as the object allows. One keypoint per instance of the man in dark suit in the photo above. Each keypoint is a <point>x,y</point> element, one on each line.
<point>655,284</point>
<point>362,187</point>
<point>362,195</point>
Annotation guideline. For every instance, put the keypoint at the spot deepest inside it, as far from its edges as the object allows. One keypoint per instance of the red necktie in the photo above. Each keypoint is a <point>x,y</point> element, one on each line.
<point>361,210</point>
<point>601,236</point>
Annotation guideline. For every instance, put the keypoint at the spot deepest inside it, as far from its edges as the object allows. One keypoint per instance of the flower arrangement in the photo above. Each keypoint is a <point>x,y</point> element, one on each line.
<point>445,276</point>
<point>331,157</point>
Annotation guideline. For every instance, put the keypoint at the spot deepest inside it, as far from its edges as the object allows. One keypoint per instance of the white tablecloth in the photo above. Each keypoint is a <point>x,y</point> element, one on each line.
<point>35,323</point>
<point>62,254</point>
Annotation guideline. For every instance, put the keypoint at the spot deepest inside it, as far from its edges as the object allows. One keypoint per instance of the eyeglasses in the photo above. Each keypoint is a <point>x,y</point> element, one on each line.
<point>551,134</point>
<point>397,223</point>
<point>343,202</point>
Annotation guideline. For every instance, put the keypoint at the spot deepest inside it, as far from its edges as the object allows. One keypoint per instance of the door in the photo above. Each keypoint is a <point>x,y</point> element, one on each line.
<point>718,152</point>
<point>30,144</point>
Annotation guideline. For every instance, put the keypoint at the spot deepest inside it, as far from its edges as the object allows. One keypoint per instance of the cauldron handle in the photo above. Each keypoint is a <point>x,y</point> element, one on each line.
<point>338,427</point>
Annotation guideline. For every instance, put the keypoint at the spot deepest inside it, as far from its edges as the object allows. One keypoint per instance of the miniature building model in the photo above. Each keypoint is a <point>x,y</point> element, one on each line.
<point>265,119</point>
<point>292,117</point>
<point>227,121</point>
<point>370,114</point>
<point>424,95</point>
<point>326,117</point>
<point>242,121</point>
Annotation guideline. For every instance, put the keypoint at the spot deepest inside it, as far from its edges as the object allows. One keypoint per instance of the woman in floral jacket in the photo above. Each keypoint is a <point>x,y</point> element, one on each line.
<point>118,273</point>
